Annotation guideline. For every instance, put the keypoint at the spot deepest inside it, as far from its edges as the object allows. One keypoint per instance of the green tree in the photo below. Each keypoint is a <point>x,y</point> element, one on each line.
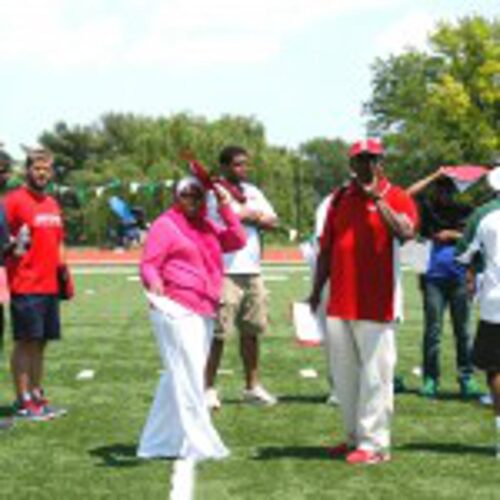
<point>326,160</point>
<point>441,106</point>
<point>124,149</point>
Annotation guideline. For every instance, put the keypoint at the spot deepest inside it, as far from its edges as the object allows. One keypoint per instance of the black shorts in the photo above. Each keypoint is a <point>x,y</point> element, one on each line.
<point>35,317</point>
<point>486,351</point>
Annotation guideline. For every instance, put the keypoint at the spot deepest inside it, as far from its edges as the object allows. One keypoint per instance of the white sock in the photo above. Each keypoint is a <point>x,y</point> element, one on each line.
<point>497,424</point>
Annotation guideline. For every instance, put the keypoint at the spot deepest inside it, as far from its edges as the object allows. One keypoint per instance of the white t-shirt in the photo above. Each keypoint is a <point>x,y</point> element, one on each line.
<point>482,235</point>
<point>246,260</point>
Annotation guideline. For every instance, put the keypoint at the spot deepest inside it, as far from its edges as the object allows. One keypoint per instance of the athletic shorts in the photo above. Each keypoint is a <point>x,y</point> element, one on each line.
<point>243,305</point>
<point>486,351</point>
<point>35,317</point>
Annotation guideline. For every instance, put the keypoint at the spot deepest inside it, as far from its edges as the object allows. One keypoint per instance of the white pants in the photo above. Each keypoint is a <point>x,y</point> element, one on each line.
<point>363,355</point>
<point>179,423</point>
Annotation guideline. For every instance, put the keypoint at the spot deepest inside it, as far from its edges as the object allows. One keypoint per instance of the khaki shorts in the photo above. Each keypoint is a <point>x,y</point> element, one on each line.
<point>243,305</point>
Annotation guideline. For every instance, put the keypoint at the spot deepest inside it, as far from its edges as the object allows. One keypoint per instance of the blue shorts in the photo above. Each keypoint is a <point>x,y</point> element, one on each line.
<point>35,317</point>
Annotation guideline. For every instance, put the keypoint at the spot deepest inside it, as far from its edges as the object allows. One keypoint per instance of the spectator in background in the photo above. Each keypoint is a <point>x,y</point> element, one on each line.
<point>443,285</point>
<point>244,301</point>
<point>482,239</point>
<point>5,170</point>
<point>320,216</point>
<point>35,221</point>
<point>182,266</point>
<point>359,255</point>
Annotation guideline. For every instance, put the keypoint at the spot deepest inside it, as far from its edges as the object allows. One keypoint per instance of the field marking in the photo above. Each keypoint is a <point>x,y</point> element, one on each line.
<point>183,479</point>
<point>308,373</point>
<point>273,272</point>
<point>85,375</point>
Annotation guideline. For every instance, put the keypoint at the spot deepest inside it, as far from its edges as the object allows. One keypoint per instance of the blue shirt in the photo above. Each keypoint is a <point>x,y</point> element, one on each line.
<point>442,264</point>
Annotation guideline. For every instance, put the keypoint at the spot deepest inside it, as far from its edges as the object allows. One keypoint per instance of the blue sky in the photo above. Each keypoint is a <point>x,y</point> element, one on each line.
<point>301,67</point>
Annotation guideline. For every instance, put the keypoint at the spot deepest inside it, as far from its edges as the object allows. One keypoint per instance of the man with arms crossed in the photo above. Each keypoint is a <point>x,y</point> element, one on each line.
<point>358,254</point>
<point>244,296</point>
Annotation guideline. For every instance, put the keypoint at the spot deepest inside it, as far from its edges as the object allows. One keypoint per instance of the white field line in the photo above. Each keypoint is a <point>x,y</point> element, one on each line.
<point>272,271</point>
<point>183,480</point>
<point>132,270</point>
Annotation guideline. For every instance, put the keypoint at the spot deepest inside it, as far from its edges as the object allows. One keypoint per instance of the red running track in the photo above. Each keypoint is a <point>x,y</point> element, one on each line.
<point>94,256</point>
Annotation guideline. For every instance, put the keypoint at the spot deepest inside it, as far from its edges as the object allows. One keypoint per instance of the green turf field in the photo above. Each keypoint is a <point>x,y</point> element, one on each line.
<point>442,449</point>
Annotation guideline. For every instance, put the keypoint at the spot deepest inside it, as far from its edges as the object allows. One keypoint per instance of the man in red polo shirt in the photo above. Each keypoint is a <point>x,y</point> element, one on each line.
<point>35,221</point>
<point>366,221</point>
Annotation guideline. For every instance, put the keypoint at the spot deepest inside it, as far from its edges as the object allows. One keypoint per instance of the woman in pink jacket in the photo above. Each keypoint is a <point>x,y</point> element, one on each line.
<point>182,270</point>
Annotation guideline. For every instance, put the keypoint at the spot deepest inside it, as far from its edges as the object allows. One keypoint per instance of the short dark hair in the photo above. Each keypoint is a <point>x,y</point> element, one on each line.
<point>446,184</point>
<point>228,154</point>
<point>37,154</point>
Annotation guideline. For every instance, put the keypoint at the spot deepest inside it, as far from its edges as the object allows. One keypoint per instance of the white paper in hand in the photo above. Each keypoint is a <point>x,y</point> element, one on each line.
<point>307,325</point>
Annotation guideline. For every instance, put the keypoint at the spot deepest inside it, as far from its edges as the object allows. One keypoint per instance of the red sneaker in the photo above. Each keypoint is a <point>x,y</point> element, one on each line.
<point>339,450</point>
<point>30,410</point>
<point>367,457</point>
<point>49,410</point>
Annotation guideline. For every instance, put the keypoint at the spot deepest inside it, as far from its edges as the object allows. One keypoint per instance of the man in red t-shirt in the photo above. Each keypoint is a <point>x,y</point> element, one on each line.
<point>366,221</point>
<point>35,221</point>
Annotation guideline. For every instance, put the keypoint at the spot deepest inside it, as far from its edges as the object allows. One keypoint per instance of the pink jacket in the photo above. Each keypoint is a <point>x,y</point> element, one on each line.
<point>186,257</point>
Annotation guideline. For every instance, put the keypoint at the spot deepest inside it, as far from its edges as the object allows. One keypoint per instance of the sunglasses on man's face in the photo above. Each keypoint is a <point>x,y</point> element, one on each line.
<point>194,194</point>
<point>364,160</point>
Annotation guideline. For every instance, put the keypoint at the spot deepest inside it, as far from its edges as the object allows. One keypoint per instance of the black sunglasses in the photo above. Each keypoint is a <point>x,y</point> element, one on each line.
<point>195,194</point>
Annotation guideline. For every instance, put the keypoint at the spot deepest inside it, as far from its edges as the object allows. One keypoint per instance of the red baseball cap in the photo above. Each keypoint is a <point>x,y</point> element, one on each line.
<point>366,146</point>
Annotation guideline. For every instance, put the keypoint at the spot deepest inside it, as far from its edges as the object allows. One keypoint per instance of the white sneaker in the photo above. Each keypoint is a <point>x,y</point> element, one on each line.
<point>259,395</point>
<point>212,399</point>
<point>332,399</point>
<point>486,400</point>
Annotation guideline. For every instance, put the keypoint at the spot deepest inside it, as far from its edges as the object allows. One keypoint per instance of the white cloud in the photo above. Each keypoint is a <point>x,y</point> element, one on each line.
<point>37,31</point>
<point>411,30</point>
<point>159,31</point>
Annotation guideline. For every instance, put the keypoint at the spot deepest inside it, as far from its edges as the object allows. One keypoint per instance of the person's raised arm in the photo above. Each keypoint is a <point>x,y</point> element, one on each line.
<point>399,223</point>
<point>417,187</point>
<point>232,237</point>
<point>402,225</point>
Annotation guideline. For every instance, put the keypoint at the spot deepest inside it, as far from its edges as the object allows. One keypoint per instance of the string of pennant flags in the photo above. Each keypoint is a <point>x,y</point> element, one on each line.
<point>83,192</point>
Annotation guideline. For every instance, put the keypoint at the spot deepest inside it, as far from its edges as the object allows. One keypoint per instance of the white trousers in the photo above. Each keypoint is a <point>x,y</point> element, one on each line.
<point>179,423</point>
<point>363,355</point>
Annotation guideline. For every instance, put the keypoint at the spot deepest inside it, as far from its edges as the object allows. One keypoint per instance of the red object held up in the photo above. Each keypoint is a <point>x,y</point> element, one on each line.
<point>208,181</point>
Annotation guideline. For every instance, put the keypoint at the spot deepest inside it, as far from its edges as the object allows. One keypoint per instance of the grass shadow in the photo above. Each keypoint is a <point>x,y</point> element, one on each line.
<point>305,399</point>
<point>292,452</point>
<point>448,448</point>
<point>6,411</point>
<point>116,455</point>
<point>441,396</point>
